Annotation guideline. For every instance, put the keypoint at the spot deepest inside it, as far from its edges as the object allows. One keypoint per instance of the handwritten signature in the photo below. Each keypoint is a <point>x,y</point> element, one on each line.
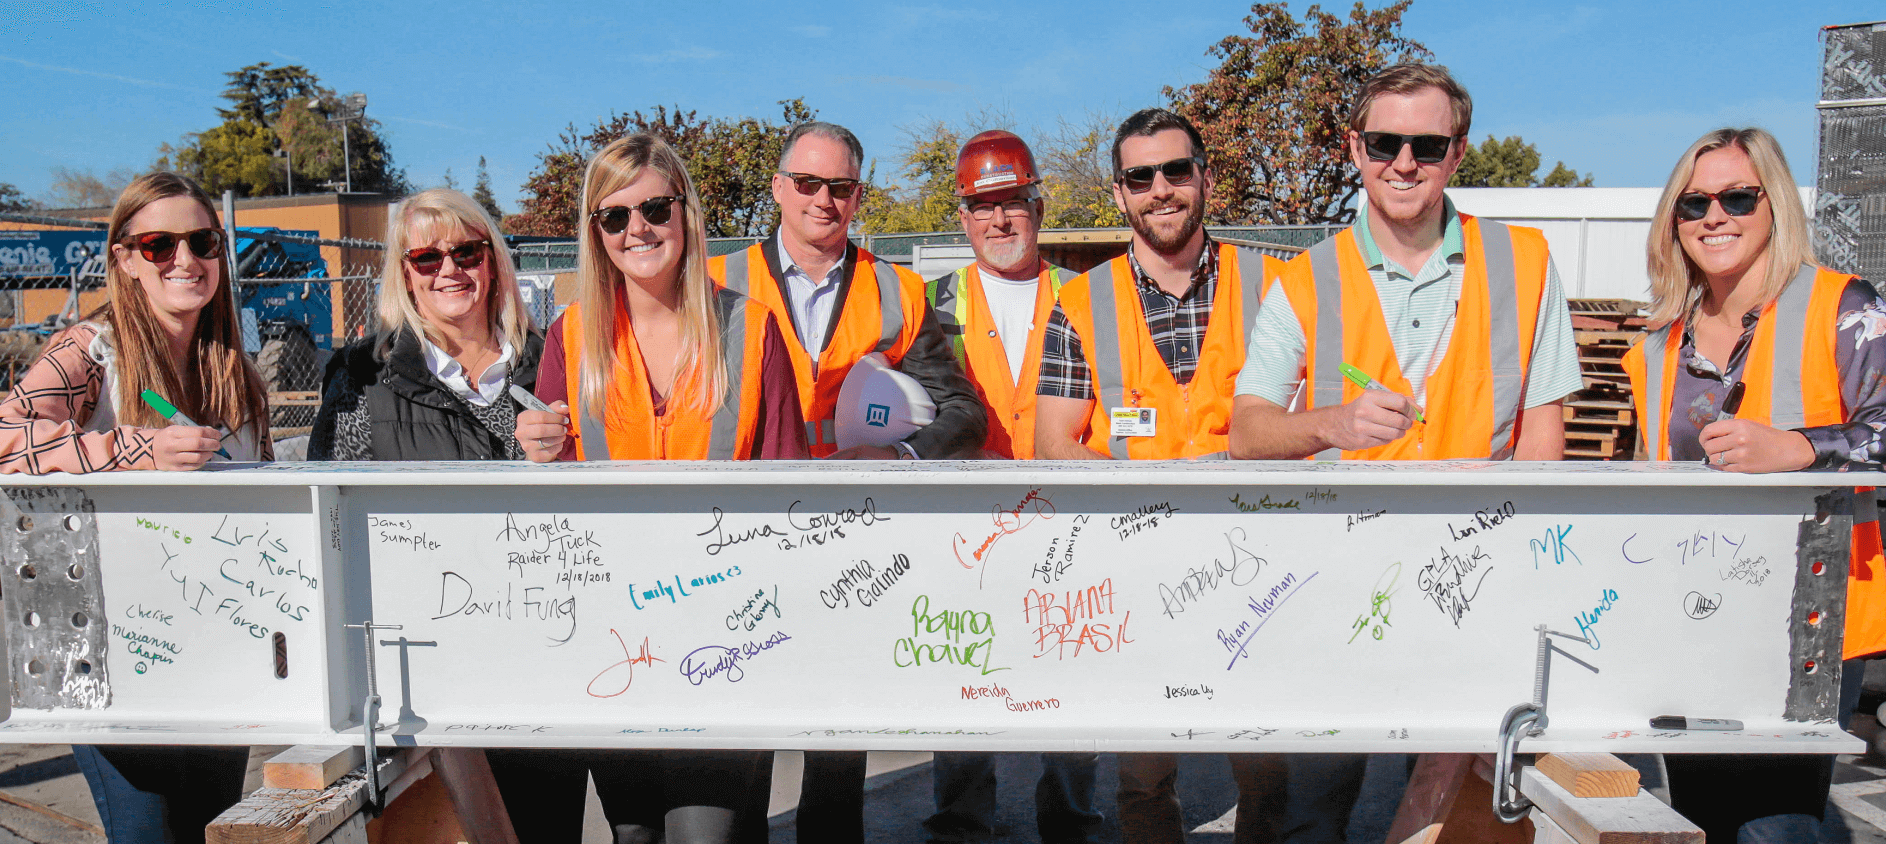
<point>643,657</point>
<point>1008,520</point>
<point>1379,605</point>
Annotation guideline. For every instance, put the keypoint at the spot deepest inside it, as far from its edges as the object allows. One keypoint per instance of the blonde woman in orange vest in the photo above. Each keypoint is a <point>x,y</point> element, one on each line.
<point>661,365</point>
<point>1738,299</point>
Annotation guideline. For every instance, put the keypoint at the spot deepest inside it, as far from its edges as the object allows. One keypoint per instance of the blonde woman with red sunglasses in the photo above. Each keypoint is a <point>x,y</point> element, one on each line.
<point>434,383</point>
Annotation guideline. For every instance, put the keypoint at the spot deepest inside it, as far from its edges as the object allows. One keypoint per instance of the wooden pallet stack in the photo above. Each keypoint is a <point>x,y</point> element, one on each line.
<point>1599,421</point>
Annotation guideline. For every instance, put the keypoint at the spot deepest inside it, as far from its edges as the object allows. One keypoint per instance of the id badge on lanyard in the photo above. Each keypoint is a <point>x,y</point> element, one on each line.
<point>1134,421</point>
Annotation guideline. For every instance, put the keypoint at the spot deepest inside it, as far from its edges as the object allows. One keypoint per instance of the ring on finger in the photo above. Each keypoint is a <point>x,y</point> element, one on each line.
<point>1721,457</point>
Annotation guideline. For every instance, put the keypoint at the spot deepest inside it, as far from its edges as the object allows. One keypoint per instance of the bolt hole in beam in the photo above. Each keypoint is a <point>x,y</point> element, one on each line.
<point>75,571</point>
<point>25,524</point>
<point>72,523</point>
<point>281,655</point>
<point>32,619</point>
<point>1821,516</point>
<point>79,620</point>
<point>27,572</point>
<point>1819,568</point>
<point>1810,667</point>
<point>82,667</point>
<point>1814,617</point>
<point>35,667</point>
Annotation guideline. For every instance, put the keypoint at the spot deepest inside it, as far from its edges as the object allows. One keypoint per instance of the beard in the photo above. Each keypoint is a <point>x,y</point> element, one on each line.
<point>1163,235</point>
<point>1006,255</point>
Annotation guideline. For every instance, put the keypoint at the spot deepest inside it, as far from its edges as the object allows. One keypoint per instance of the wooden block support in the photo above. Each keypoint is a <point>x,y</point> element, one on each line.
<point>300,816</point>
<point>310,766</point>
<point>1639,819</point>
<point>1590,774</point>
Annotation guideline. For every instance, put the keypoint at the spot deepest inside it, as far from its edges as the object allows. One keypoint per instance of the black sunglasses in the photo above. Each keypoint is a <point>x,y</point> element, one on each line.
<point>428,260</point>
<point>1736,202</point>
<point>160,247</point>
<point>1178,171</point>
<point>1386,146</point>
<point>615,218</point>
<point>809,185</point>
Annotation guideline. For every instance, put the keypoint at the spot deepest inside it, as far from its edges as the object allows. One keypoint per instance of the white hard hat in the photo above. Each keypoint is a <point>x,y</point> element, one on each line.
<point>878,405</point>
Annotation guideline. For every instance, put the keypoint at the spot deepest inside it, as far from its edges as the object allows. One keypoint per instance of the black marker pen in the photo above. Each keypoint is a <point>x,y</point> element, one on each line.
<point>1678,722</point>
<point>1730,404</point>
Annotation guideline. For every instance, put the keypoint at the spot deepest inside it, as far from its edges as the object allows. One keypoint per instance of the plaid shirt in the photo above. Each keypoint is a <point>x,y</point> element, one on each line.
<point>1177,324</point>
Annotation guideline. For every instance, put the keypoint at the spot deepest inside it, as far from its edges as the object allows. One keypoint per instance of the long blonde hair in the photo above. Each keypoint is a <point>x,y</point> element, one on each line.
<point>701,368</point>
<point>440,210</point>
<point>1676,285</point>
<point>226,389</point>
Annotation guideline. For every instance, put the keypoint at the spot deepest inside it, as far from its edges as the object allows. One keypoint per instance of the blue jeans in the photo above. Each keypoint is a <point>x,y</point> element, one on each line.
<point>128,815</point>
<point>964,784</point>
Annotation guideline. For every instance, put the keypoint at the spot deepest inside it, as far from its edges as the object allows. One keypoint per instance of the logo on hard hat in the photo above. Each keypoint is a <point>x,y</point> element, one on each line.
<point>877,415</point>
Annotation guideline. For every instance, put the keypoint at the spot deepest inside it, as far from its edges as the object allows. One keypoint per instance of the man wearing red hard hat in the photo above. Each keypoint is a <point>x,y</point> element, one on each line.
<point>993,311</point>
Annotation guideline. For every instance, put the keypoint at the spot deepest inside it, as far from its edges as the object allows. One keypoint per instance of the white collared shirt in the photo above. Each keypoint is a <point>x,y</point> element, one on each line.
<point>812,302</point>
<point>490,383</point>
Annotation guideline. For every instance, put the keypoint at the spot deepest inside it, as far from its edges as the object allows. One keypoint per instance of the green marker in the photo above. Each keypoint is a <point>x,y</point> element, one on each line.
<point>175,417</point>
<point>1362,379</point>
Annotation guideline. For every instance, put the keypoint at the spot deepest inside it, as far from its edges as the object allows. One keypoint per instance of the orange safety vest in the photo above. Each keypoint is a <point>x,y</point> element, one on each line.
<point>962,311</point>
<point>1791,381</point>
<point>1193,420</point>
<point>628,428</point>
<point>1477,389</point>
<point>882,312</point>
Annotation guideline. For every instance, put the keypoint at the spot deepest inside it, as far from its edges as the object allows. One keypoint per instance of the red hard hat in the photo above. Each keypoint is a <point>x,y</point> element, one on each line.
<point>994,160</point>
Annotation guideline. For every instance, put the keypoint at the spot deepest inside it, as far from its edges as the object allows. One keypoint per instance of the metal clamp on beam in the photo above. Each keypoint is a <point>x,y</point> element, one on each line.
<point>370,713</point>
<point>1531,716</point>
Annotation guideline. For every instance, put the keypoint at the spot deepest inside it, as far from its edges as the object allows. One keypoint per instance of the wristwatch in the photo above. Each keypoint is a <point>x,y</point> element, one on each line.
<point>905,451</point>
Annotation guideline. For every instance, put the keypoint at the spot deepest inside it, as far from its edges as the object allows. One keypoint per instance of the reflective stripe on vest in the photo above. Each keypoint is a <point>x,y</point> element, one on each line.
<point>1502,279</point>
<point>723,437</point>
<point>736,279</point>
<point>949,299</point>
<point>1108,369</point>
<point>1786,411</point>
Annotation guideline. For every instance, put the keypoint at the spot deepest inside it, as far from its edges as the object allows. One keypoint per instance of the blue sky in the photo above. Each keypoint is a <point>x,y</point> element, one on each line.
<point>1612,88</point>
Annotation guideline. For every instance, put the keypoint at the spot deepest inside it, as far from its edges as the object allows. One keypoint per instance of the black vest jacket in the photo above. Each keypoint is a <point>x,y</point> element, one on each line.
<point>415,417</point>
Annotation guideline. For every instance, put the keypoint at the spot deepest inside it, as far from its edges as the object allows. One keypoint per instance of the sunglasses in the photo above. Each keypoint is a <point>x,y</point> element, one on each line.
<point>809,185</point>
<point>428,260</point>
<point>160,247</point>
<point>1178,171</point>
<point>1386,146</point>
<point>615,218</point>
<point>1736,202</point>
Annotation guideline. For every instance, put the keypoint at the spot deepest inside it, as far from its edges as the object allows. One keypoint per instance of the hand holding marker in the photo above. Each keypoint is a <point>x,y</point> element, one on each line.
<point>175,417</point>
<point>1731,404</point>
<point>1362,379</point>
<point>529,401</point>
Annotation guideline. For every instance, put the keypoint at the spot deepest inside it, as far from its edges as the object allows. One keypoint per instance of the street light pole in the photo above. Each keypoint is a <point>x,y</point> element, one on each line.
<point>350,108</point>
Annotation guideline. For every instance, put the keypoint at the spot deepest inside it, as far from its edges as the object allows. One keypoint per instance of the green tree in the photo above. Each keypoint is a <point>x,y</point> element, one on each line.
<point>927,201</point>
<point>284,109</point>
<point>1274,113</point>
<point>481,193</point>
<point>1511,163</point>
<point>1076,161</point>
<point>15,202</point>
<point>730,159</point>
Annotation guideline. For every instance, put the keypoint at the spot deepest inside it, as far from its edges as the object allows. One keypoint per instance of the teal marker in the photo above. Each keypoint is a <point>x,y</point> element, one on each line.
<point>1362,379</point>
<point>175,417</point>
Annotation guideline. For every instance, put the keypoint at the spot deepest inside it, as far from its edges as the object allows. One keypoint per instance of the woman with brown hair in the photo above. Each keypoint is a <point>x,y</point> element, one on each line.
<point>662,365</point>
<point>1762,360</point>
<point>169,327</point>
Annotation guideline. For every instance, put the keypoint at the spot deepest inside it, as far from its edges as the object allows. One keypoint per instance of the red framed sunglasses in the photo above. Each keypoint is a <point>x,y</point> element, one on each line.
<point>161,247</point>
<point>428,260</point>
